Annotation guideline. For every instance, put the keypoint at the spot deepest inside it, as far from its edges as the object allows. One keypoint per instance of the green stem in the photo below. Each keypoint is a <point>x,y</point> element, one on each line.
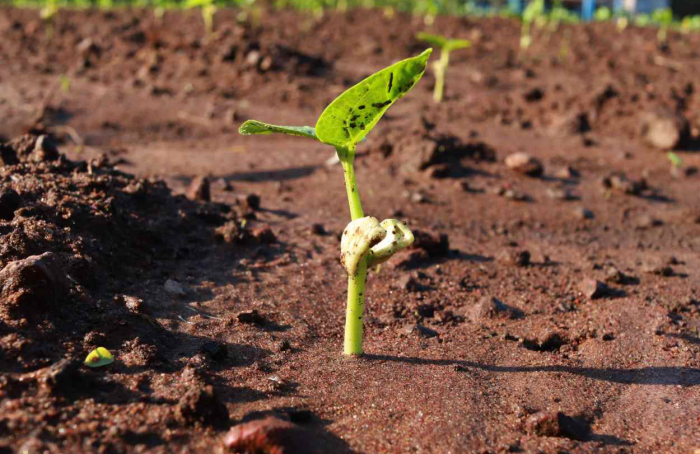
<point>356,283</point>
<point>440,70</point>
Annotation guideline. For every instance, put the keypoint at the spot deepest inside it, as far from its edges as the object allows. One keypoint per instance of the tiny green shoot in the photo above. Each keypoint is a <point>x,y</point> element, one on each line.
<point>664,19</point>
<point>47,14</point>
<point>446,46</point>
<point>99,357</point>
<point>208,9</point>
<point>534,12</point>
<point>343,124</point>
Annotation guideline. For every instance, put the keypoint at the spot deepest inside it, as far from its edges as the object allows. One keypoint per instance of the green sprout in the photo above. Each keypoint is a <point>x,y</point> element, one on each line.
<point>603,14</point>
<point>533,13</point>
<point>208,9</point>
<point>48,14</point>
<point>343,124</point>
<point>446,46</point>
<point>664,19</point>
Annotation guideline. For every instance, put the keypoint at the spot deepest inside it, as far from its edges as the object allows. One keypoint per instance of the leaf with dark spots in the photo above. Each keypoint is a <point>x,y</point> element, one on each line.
<point>371,96</point>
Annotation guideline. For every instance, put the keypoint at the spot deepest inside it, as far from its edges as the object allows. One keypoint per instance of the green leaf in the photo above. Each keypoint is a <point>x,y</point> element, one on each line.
<point>251,127</point>
<point>434,40</point>
<point>353,114</point>
<point>99,357</point>
<point>442,42</point>
<point>455,44</point>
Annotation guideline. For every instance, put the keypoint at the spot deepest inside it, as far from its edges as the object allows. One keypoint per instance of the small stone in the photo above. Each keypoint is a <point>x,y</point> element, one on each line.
<point>29,287</point>
<point>9,203</point>
<point>663,128</point>
<point>558,194</point>
<point>612,274</point>
<point>263,235</point>
<point>512,257</point>
<point>252,201</point>
<point>654,265</point>
<point>592,288</point>
<point>409,283</point>
<point>543,424</point>
<point>419,197</point>
<point>436,245</point>
<point>439,171</point>
<point>582,213</point>
<point>133,304</point>
<point>62,377</point>
<point>230,232</point>
<point>199,189</point>
<point>44,150</point>
<point>623,184</point>
<point>524,163</point>
<point>646,221</point>
<point>271,435</point>
<point>200,404</point>
<point>489,307</point>
<point>174,288</point>
<point>566,173</point>
<point>215,350</point>
<point>282,346</point>
<point>251,317</point>
<point>419,329</point>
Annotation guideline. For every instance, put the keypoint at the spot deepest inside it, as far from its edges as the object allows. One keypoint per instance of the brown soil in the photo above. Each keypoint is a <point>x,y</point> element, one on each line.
<point>554,311</point>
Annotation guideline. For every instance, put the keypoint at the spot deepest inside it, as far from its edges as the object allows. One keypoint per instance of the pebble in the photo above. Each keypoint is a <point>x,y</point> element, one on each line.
<point>582,213</point>
<point>524,163</point>
<point>558,194</point>
<point>9,203</point>
<point>199,189</point>
<point>251,316</point>
<point>490,307</point>
<point>646,221</point>
<point>201,404</point>
<point>654,265</point>
<point>592,288</point>
<point>512,257</point>
<point>273,435</point>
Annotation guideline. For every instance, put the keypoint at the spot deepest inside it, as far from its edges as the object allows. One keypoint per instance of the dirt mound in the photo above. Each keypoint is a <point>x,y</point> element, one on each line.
<point>73,232</point>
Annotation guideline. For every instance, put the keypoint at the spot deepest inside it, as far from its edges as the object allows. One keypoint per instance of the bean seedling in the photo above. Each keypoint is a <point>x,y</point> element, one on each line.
<point>343,124</point>
<point>533,13</point>
<point>446,46</point>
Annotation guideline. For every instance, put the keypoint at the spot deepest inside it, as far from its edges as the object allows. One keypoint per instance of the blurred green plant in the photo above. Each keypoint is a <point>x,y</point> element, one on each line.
<point>446,45</point>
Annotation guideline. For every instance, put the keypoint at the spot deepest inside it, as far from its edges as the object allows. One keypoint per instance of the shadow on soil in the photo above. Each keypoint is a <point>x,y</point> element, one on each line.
<point>666,376</point>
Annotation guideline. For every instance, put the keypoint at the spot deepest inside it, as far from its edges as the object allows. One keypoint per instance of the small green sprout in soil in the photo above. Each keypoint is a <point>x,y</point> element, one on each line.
<point>208,11</point>
<point>664,19</point>
<point>446,46</point>
<point>47,14</point>
<point>675,160</point>
<point>533,13</point>
<point>99,357</point>
<point>344,123</point>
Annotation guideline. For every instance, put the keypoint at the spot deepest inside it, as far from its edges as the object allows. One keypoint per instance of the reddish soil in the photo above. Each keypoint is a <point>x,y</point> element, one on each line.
<point>553,312</point>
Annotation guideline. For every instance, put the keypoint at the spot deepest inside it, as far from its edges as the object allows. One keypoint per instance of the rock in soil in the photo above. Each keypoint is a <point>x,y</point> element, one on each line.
<point>557,424</point>
<point>655,265</point>
<point>489,307</point>
<point>512,257</point>
<point>251,317</point>
<point>436,245</point>
<point>271,435</point>
<point>201,404</point>
<point>199,189</point>
<point>174,288</point>
<point>524,163</point>
<point>593,288</point>
<point>583,214</point>
<point>663,128</point>
<point>31,286</point>
<point>9,203</point>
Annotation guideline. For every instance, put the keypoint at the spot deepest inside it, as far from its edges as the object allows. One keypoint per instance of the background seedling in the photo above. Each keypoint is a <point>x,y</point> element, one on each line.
<point>664,19</point>
<point>534,12</point>
<point>343,124</point>
<point>47,14</point>
<point>446,46</point>
<point>208,9</point>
